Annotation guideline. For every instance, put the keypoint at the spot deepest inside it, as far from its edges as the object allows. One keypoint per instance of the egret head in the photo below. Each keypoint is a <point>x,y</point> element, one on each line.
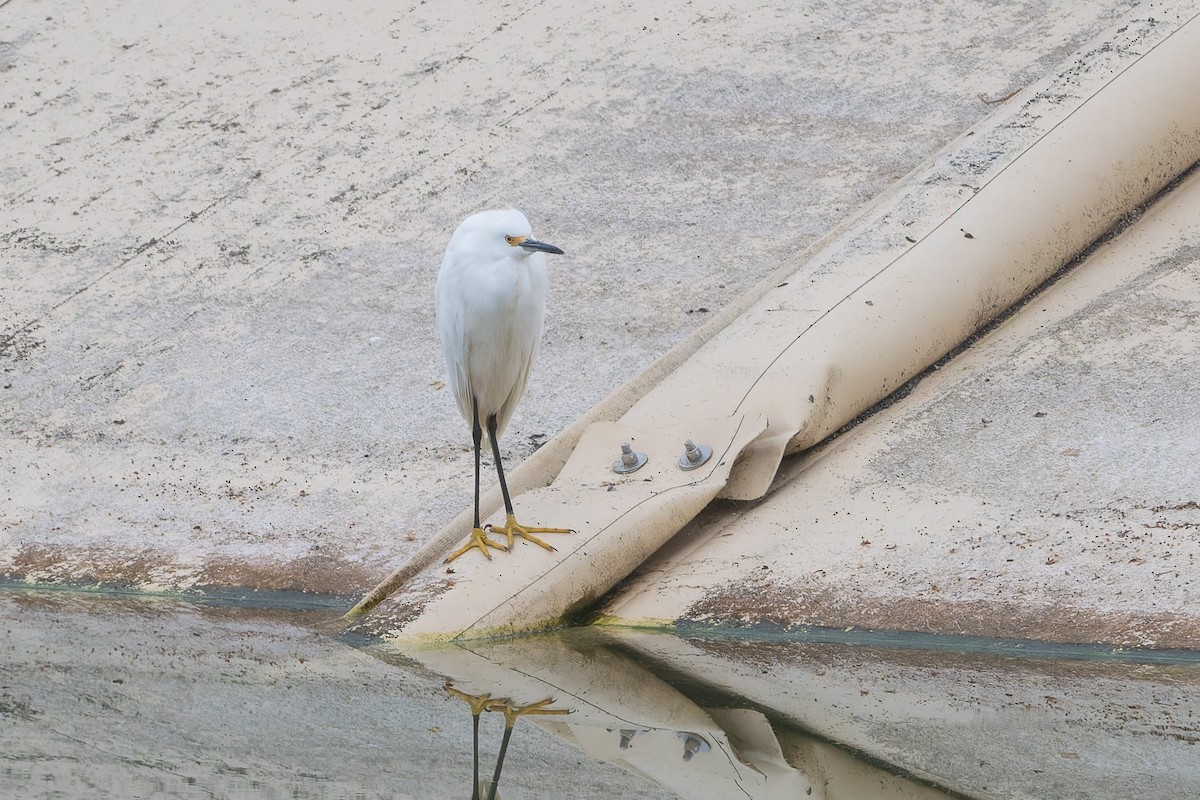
<point>504,233</point>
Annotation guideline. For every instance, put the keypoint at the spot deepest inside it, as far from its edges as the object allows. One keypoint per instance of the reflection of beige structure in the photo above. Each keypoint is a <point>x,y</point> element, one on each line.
<point>978,725</point>
<point>624,714</point>
<point>776,718</point>
<point>940,256</point>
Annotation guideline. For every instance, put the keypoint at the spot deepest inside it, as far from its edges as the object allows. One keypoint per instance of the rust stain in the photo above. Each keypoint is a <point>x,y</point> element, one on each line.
<point>328,573</point>
<point>324,574</point>
<point>764,602</point>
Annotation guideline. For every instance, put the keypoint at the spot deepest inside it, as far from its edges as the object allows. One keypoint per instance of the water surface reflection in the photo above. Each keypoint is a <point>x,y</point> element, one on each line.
<point>137,696</point>
<point>692,739</point>
<point>804,715</point>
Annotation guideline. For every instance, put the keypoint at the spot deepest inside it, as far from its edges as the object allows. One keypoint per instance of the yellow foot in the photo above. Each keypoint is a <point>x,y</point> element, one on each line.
<point>512,529</point>
<point>478,539</point>
<point>511,712</point>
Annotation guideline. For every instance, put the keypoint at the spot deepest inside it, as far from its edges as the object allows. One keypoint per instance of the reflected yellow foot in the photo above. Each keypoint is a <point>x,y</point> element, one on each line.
<point>477,702</point>
<point>512,529</point>
<point>512,713</point>
<point>478,539</point>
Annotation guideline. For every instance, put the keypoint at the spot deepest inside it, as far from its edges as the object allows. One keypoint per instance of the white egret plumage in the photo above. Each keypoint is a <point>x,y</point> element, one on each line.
<point>491,306</point>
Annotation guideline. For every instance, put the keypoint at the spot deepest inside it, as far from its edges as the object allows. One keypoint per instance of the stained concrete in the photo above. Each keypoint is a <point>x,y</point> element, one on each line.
<point>221,226</point>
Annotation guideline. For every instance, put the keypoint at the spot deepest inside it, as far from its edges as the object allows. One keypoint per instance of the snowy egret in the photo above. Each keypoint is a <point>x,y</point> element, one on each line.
<point>491,303</point>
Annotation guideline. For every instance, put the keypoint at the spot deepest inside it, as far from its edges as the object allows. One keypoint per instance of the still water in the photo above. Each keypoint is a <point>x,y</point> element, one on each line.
<point>134,696</point>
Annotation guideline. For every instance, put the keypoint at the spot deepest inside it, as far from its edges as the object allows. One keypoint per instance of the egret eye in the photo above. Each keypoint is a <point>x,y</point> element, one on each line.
<point>513,241</point>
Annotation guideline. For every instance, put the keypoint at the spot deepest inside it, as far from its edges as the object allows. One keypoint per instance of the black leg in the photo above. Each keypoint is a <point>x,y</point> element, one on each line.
<point>508,508</point>
<point>500,762</point>
<point>475,784</point>
<point>478,539</point>
<point>477,437</point>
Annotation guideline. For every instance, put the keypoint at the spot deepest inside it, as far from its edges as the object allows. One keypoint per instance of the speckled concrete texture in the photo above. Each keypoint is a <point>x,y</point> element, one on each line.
<point>221,226</point>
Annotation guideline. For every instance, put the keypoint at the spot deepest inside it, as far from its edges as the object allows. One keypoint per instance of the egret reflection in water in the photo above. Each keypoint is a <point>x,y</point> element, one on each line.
<point>484,702</point>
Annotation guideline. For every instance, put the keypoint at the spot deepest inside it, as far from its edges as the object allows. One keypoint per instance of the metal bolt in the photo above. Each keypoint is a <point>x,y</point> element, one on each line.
<point>694,455</point>
<point>630,461</point>
<point>693,743</point>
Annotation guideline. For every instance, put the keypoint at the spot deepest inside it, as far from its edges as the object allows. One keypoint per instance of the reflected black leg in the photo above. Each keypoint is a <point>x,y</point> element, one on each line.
<point>511,715</point>
<point>475,777</point>
<point>508,729</point>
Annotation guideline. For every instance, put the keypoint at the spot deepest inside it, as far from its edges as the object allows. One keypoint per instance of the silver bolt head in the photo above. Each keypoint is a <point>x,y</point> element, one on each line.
<point>694,455</point>
<point>630,460</point>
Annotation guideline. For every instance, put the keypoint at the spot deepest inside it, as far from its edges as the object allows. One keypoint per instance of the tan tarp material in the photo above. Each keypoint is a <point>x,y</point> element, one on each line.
<point>625,519</point>
<point>1042,485</point>
<point>848,351</point>
<point>813,353</point>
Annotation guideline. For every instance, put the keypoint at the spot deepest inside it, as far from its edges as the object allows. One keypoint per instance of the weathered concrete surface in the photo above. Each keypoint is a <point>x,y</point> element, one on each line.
<point>221,227</point>
<point>1044,483</point>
